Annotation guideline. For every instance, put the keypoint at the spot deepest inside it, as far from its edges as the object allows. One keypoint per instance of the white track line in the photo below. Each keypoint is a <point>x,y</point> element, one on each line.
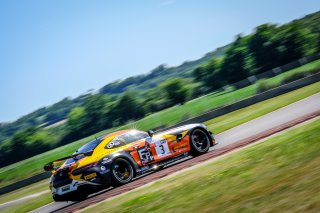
<point>24,198</point>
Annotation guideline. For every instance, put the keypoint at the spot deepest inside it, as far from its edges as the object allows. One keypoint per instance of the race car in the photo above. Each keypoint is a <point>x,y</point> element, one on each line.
<point>116,158</point>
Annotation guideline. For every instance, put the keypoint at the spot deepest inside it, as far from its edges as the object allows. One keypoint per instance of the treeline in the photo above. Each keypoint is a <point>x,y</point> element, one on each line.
<point>101,112</point>
<point>268,47</point>
<point>44,116</point>
<point>139,84</point>
<point>97,113</point>
<point>25,144</point>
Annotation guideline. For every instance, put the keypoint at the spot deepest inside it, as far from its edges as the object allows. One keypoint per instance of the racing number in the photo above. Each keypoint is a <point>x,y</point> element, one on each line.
<point>162,148</point>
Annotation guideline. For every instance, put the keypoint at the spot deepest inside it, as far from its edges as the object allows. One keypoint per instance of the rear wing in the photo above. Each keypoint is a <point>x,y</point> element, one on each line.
<point>53,165</point>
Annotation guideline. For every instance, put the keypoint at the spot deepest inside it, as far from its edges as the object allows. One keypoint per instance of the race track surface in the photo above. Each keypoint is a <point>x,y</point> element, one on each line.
<point>241,135</point>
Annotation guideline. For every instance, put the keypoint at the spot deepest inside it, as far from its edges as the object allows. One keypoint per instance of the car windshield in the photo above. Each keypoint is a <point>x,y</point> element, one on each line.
<point>130,137</point>
<point>126,138</point>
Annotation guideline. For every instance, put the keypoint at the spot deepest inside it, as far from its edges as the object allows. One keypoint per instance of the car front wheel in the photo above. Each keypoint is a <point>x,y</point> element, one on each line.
<point>199,142</point>
<point>121,172</point>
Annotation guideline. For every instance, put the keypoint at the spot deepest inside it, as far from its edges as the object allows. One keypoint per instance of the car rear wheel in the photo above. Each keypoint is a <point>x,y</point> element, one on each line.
<point>199,142</point>
<point>58,198</point>
<point>121,172</point>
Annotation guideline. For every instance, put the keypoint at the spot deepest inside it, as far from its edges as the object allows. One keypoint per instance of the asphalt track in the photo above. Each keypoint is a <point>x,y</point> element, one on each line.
<point>237,136</point>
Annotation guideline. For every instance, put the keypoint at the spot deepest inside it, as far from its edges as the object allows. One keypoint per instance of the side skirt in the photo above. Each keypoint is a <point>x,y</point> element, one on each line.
<point>145,169</point>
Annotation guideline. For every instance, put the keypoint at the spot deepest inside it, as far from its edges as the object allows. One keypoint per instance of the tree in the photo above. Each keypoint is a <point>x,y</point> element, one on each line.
<point>18,144</point>
<point>234,67</point>
<point>127,108</point>
<point>154,100</point>
<point>76,119</point>
<point>200,74</point>
<point>95,110</point>
<point>210,75</point>
<point>88,119</point>
<point>215,79</point>
<point>295,41</point>
<point>175,91</point>
<point>38,142</point>
<point>263,48</point>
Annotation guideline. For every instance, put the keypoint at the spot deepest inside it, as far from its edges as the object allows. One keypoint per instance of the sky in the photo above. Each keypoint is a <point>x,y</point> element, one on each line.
<point>50,50</point>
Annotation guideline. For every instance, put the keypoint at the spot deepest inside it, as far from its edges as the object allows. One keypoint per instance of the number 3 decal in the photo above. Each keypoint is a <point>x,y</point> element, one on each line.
<point>162,148</point>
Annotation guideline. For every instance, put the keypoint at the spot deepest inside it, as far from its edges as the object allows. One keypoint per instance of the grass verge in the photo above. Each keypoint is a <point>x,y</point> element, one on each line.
<point>33,165</point>
<point>221,123</point>
<point>29,205</point>
<point>279,175</point>
<point>25,191</point>
<point>26,168</point>
<point>246,114</point>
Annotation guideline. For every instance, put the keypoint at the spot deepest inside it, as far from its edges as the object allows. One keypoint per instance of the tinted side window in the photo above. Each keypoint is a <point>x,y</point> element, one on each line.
<point>89,146</point>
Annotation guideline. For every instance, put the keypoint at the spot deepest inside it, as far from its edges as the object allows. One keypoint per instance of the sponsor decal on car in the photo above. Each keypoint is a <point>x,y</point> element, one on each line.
<point>177,148</point>
<point>65,188</point>
<point>106,160</point>
<point>145,154</point>
<point>162,148</point>
<point>90,176</point>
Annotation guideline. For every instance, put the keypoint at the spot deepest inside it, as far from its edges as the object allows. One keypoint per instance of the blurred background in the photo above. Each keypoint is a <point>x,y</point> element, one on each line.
<point>74,70</point>
<point>51,50</point>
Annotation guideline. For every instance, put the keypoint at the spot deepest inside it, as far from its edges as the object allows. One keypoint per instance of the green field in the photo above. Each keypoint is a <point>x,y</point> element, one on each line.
<point>279,175</point>
<point>34,165</point>
<point>25,191</point>
<point>243,115</point>
<point>29,205</point>
<point>219,124</point>
<point>206,103</point>
<point>166,117</point>
<point>315,65</point>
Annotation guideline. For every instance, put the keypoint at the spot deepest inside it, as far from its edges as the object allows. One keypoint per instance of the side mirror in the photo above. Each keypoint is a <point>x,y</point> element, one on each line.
<point>48,167</point>
<point>150,133</point>
<point>179,137</point>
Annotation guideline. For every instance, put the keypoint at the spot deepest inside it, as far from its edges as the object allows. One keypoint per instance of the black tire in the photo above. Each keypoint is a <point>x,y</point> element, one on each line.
<point>199,142</point>
<point>121,172</point>
<point>57,198</point>
<point>80,196</point>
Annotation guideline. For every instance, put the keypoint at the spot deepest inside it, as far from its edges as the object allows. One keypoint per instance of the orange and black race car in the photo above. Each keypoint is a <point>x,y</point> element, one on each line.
<point>116,158</point>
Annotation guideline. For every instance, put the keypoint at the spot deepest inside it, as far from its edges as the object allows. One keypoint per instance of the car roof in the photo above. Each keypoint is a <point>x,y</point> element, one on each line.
<point>116,133</point>
<point>108,137</point>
